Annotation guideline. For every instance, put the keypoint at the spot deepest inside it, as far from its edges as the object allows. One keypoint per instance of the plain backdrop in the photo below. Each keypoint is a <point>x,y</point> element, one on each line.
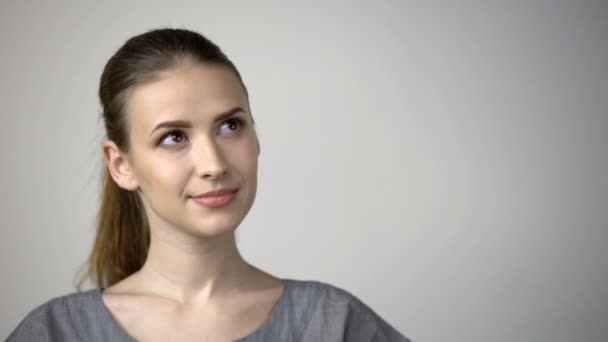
<point>445,162</point>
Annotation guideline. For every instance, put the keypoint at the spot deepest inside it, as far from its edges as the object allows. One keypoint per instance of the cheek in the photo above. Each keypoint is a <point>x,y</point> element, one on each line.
<point>245,159</point>
<point>162,174</point>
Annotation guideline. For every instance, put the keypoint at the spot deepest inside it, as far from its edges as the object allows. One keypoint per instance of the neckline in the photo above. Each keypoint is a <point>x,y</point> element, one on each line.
<point>274,314</point>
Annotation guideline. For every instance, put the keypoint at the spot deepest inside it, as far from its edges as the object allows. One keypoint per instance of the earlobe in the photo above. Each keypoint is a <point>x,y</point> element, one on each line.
<point>119,166</point>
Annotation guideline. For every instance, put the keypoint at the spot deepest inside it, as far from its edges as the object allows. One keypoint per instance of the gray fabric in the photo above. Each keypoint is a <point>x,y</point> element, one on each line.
<point>306,311</point>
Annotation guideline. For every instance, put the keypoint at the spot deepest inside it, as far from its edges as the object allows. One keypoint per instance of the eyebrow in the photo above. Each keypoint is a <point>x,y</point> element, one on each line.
<point>188,124</point>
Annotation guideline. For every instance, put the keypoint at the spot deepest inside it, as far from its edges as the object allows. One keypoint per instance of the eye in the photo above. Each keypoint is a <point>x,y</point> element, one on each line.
<point>231,125</point>
<point>173,138</point>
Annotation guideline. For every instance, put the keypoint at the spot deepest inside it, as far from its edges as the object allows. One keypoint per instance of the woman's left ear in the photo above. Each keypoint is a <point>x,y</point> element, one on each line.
<point>119,166</point>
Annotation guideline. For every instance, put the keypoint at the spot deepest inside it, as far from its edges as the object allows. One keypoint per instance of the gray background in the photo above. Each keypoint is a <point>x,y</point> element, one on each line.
<point>445,162</point>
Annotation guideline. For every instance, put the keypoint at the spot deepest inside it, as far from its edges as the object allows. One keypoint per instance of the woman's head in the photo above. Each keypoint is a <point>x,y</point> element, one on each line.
<point>141,60</point>
<point>178,125</point>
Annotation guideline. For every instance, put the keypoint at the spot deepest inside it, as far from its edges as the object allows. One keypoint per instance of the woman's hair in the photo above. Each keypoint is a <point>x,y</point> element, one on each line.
<point>123,234</point>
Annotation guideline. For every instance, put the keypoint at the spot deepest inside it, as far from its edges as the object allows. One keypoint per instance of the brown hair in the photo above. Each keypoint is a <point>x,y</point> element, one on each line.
<point>123,234</point>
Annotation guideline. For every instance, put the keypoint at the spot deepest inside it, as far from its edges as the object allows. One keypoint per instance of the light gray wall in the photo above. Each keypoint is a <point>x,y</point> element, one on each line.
<point>447,163</point>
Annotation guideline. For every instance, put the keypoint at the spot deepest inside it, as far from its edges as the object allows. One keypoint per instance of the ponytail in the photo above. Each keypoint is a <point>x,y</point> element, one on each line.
<point>123,235</point>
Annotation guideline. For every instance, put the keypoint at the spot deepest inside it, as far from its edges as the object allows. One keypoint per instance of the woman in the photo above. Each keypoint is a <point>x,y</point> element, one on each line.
<point>181,155</point>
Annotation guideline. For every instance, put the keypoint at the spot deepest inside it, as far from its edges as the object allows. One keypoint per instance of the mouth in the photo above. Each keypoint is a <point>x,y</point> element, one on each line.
<point>216,198</point>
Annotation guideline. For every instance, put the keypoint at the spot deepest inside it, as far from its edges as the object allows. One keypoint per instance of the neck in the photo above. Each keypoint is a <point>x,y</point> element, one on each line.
<point>196,269</point>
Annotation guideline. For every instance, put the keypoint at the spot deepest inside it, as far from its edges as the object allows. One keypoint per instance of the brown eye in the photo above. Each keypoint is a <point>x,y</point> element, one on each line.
<point>173,138</point>
<point>231,125</point>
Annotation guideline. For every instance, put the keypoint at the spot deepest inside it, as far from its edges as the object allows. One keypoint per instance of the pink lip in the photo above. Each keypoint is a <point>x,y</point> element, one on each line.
<point>216,198</point>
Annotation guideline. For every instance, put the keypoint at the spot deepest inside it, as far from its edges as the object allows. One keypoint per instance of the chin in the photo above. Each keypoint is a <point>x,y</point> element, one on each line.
<point>215,227</point>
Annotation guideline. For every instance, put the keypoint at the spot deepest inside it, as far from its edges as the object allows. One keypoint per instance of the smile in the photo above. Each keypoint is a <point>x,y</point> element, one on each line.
<point>216,201</point>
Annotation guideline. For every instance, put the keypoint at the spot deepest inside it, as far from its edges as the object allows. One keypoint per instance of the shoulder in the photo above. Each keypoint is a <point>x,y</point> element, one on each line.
<point>319,292</point>
<point>327,307</point>
<point>55,319</point>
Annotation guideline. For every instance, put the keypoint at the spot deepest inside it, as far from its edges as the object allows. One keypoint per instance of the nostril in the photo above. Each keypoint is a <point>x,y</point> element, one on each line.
<point>215,171</point>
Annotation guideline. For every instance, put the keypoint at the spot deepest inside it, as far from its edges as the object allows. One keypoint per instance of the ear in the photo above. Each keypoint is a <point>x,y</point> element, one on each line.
<point>119,166</point>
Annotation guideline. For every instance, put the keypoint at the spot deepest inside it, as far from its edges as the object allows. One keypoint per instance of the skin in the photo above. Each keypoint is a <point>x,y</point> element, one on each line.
<point>194,285</point>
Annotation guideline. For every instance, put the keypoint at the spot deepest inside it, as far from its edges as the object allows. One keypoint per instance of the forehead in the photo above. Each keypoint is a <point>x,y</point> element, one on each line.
<point>189,91</point>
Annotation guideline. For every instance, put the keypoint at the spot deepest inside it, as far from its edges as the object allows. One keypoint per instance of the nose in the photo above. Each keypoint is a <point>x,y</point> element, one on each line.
<point>209,161</point>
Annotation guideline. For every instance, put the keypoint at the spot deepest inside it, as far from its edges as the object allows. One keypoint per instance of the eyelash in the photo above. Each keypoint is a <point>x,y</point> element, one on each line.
<point>239,123</point>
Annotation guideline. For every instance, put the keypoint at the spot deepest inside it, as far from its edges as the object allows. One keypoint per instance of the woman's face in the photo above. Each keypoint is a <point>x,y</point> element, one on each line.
<point>191,132</point>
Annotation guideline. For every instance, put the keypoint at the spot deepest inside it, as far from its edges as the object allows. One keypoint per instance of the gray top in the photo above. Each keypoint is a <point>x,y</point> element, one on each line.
<point>306,311</point>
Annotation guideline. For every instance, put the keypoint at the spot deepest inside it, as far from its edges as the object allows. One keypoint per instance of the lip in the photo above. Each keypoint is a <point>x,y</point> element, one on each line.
<point>216,198</point>
<point>218,192</point>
